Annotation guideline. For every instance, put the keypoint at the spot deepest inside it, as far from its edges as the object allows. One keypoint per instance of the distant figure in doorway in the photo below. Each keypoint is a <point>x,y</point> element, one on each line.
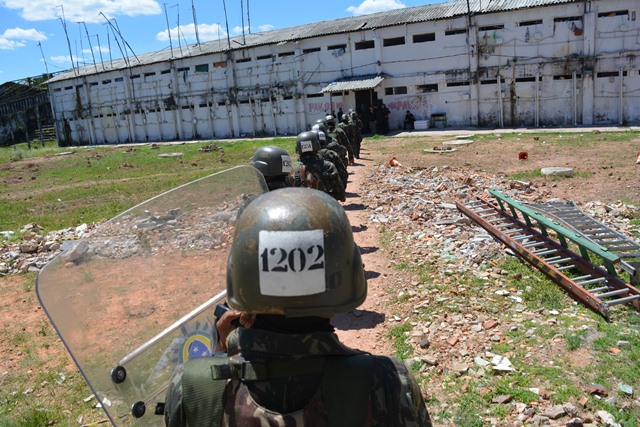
<point>340,114</point>
<point>371,118</point>
<point>409,119</point>
<point>385,119</point>
<point>380,130</point>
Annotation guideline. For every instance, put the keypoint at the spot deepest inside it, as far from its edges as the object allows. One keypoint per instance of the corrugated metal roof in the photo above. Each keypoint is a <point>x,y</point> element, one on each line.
<point>415,14</point>
<point>354,83</point>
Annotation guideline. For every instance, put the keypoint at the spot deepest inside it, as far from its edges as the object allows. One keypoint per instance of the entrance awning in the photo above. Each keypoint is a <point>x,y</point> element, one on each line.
<point>353,83</point>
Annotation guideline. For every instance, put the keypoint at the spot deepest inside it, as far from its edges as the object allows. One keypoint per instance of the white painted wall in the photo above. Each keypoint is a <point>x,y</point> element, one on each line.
<point>574,66</point>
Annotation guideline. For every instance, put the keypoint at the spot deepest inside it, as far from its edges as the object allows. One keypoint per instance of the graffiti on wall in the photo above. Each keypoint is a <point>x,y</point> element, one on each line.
<point>419,105</point>
<point>314,107</point>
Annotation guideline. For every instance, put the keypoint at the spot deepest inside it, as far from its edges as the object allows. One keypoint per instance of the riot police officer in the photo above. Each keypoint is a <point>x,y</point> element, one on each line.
<point>294,264</point>
<point>338,134</point>
<point>331,156</point>
<point>275,165</point>
<point>354,119</point>
<point>332,144</point>
<point>312,171</point>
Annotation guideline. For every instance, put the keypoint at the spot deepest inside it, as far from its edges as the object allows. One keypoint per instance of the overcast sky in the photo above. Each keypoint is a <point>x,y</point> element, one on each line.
<point>33,31</point>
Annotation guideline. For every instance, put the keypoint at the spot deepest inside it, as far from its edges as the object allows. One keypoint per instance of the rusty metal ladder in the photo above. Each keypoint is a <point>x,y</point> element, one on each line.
<point>596,287</point>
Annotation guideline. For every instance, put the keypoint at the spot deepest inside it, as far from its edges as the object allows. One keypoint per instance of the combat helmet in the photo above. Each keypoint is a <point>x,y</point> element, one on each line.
<point>293,254</point>
<point>330,121</point>
<point>319,124</point>
<point>322,137</point>
<point>307,142</point>
<point>321,121</point>
<point>272,161</point>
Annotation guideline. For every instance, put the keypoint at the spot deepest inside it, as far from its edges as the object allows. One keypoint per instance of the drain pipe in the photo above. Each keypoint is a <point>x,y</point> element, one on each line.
<point>252,106</point>
<point>500,119</point>
<point>537,98</point>
<point>575,98</point>
<point>273,115</point>
<point>621,109</point>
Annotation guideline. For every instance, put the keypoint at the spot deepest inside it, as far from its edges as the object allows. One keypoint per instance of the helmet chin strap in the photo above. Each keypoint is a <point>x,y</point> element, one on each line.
<point>292,325</point>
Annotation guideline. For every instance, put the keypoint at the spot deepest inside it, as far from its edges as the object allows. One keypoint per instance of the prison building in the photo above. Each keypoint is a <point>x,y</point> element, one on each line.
<point>476,63</point>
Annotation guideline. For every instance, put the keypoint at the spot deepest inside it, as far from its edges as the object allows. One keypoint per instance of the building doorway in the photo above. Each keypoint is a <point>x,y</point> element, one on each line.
<point>365,98</point>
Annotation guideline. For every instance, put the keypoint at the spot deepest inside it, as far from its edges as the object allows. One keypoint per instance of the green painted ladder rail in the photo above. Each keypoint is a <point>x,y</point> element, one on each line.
<point>545,224</point>
<point>609,238</point>
<point>595,287</point>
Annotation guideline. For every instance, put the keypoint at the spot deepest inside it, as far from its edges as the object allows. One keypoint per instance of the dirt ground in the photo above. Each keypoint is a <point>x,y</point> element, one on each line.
<point>606,172</point>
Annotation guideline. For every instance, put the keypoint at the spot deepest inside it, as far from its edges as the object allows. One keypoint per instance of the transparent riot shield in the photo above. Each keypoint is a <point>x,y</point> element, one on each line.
<point>135,299</point>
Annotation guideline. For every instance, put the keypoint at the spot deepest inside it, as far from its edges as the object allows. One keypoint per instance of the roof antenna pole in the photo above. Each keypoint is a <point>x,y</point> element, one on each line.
<point>64,27</point>
<point>125,42</point>
<point>177,6</point>
<point>226,20</point>
<point>124,57</point>
<point>43,59</point>
<point>168,28</point>
<point>109,46</point>
<point>100,50</point>
<point>90,46</point>
<point>242,15</point>
<point>195,24</point>
<point>81,46</point>
<point>248,18</point>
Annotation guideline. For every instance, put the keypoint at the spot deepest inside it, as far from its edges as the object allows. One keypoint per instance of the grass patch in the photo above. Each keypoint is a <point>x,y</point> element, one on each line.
<point>574,339</point>
<point>469,406</point>
<point>526,175</point>
<point>401,266</point>
<point>96,183</point>
<point>537,291</point>
<point>400,342</point>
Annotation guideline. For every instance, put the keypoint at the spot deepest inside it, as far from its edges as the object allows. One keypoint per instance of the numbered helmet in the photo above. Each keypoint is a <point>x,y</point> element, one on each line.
<point>293,254</point>
<point>307,142</point>
<point>322,137</point>
<point>272,161</point>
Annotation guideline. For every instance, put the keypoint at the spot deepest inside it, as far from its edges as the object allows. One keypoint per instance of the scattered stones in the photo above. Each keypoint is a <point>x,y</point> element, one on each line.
<point>35,250</point>
<point>597,389</point>
<point>501,399</point>
<point>607,419</point>
<point>489,324</point>
<point>502,364</point>
<point>555,412</point>
<point>626,389</point>
<point>574,422</point>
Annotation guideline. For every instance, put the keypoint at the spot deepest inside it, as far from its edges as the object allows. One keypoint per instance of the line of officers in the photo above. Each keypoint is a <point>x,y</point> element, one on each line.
<point>324,153</point>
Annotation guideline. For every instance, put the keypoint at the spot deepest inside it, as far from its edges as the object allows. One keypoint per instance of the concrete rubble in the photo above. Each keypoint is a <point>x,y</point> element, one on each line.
<point>416,209</point>
<point>35,249</point>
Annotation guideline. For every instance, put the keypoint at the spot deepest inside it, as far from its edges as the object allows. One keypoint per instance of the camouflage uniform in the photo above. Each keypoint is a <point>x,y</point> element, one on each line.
<point>329,179</point>
<point>390,398</point>
<point>338,135</point>
<point>349,134</point>
<point>333,157</point>
<point>357,128</point>
<point>333,145</point>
